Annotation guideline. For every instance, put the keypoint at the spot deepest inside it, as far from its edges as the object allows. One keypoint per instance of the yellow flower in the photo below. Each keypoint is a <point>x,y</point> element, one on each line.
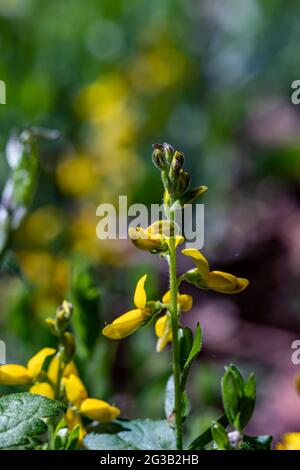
<point>216,280</point>
<point>74,419</point>
<point>15,374</point>
<point>52,371</point>
<point>92,408</point>
<point>290,441</point>
<point>184,301</point>
<point>75,390</point>
<point>130,321</point>
<point>42,388</point>
<point>155,238</point>
<point>99,410</point>
<point>163,332</point>
<point>163,327</point>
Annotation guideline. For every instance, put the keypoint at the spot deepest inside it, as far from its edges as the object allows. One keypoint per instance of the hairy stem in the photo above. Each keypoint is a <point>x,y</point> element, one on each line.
<point>175,342</point>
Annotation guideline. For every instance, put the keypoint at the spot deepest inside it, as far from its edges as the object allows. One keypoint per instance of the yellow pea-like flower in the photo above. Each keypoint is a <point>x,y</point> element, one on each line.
<point>216,280</point>
<point>184,301</point>
<point>226,283</point>
<point>35,364</point>
<point>163,329</point>
<point>163,332</point>
<point>155,238</point>
<point>14,374</point>
<point>199,260</point>
<point>99,410</point>
<point>290,441</point>
<point>53,368</point>
<point>42,388</point>
<point>75,390</point>
<point>73,419</point>
<point>130,321</point>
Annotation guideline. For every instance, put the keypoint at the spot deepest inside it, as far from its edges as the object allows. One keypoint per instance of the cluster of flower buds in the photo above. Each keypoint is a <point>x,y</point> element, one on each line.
<point>175,179</point>
<point>170,162</point>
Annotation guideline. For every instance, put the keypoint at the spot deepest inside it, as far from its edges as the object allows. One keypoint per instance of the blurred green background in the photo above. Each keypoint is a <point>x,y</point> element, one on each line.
<point>213,78</point>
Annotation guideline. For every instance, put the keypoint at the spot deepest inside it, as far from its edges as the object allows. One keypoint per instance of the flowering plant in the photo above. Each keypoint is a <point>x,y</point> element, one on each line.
<point>55,410</point>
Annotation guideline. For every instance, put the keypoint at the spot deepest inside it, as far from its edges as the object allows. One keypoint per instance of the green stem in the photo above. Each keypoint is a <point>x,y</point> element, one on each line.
<point>59,373</point>
<point>175,342</point>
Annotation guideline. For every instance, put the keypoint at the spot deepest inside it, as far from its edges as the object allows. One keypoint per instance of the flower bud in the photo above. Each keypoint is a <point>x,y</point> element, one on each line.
<point>176,165</point>
<point>63,316</point>
<point>69,345</point>
<point>159,159</point>
<point>169,151</point>
<point>182,182</point>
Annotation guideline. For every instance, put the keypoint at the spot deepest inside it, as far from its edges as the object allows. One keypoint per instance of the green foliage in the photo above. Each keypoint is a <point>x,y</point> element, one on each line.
<point>238,397</point>
<point>63,439</point>
<point>22,418</point>
<point>219,435</point>
<point>256,443</point>
<point>135,435</point>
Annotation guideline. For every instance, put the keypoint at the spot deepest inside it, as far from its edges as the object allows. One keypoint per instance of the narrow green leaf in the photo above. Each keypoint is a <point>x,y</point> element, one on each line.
<point>232,387</point>
<point>189,196</point>
<point>219,435</point>
<point>186,343</point>
<point>206,437</point>
<point>248,403</point>
<point>196,348</point>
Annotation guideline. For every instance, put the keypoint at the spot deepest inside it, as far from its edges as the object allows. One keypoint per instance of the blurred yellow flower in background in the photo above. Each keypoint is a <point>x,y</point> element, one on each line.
<point>290,441</point>
<point>76,175</point>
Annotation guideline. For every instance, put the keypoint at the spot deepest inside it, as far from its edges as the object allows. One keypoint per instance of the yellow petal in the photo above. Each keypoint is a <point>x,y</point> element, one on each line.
<point>178,240</point>
<point>99,410</point>
<point>184,300</point>
<point>199,260</point>
<point>160,227</point>
<point>75,390</point>
<point>42,388</point>
<point>291,441</point>
<point>124,325</point>
<point>70,369</point>
<point>226,283</point>
<point>52,371</point>
<point>14,374</point>
<point>140,296</point>
<point>35,364</point>
<point>73,419</point>
<point>163,332</point>
<point>146,241</point>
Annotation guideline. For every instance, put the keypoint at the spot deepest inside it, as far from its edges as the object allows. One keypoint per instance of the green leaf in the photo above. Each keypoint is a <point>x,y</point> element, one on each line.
<point>256,443</point>
<point>136,435</point>
<point>247,404</point>
<point>206,437</point>
<point>219,435</point>
<point>232,386</point>
<point>196,348</point>
<point>191,195</point>
<point>186,343</point>
<point>22,418</point>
